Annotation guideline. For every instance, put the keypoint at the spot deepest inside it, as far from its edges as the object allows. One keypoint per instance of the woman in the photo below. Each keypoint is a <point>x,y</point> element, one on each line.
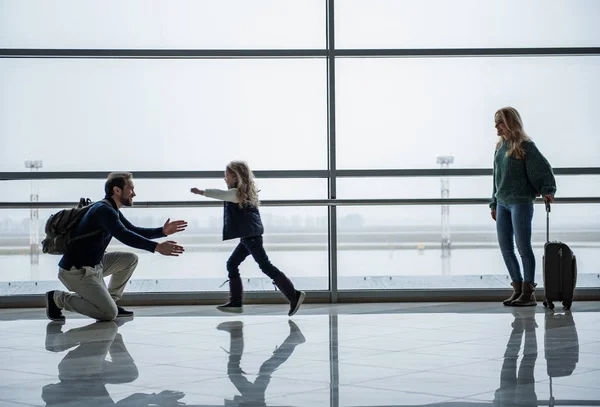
<point>521,173</point>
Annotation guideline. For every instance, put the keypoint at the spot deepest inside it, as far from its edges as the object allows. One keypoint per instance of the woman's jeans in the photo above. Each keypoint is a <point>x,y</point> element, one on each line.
<point>515,220</point>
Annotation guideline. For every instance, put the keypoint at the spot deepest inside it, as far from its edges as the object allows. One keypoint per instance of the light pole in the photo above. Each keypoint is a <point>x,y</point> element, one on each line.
<point>34,234</point>
<point>445,161</point>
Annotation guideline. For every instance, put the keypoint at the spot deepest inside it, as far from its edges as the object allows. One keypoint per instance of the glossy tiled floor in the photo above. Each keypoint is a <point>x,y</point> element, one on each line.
<point>478,354</point>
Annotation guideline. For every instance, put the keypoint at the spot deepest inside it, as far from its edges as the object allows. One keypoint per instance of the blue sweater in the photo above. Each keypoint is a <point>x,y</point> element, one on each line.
<point>106,217</point>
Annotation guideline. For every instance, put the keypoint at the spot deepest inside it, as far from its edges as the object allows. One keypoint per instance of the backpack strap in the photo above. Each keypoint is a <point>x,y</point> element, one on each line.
<point>90,234</point>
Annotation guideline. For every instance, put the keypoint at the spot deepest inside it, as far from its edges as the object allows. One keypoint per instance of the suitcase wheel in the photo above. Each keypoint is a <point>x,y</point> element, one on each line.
<point>548,304</point>
<point>567,304</point>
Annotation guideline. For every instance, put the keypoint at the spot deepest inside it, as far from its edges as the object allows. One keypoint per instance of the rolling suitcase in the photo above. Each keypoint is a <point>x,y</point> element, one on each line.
<point>560,270</point>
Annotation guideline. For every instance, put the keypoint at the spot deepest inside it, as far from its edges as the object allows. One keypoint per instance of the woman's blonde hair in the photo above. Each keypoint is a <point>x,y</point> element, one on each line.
<point>516,134</point>
<point>246,189</point>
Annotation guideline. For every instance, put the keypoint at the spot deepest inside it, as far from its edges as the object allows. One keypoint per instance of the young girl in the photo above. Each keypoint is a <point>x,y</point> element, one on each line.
<point>520,173</point>
<point>241,218</point>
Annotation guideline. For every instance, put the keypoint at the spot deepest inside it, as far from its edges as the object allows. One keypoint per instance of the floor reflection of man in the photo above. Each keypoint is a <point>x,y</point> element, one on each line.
<point>253,393</point>
<point>84,371</point>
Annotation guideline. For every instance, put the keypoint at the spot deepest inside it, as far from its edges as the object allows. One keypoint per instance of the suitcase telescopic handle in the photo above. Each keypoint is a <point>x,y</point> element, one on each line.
<point>547,204</point>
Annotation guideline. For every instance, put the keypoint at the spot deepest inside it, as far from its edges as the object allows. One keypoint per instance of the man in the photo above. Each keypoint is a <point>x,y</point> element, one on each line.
<point>85,264</point>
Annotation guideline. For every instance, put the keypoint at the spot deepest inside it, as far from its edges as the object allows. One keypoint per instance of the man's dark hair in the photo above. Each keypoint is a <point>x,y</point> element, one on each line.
<point>116,179</point>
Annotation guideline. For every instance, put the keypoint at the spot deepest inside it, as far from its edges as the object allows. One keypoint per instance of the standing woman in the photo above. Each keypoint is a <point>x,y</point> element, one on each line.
<point>521,173</point>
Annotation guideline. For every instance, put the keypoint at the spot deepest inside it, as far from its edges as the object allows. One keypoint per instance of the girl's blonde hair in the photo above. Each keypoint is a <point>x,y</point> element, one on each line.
<point>246,189</point>
<point>516,134</point>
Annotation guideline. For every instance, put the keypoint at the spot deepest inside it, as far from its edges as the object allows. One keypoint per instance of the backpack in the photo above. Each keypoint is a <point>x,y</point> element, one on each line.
<point>60,225</point>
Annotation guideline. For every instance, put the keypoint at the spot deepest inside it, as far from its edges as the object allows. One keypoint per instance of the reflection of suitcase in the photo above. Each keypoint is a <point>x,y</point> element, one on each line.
<point>561,349</point>
<point>561,344</point>
<point>560,270</point>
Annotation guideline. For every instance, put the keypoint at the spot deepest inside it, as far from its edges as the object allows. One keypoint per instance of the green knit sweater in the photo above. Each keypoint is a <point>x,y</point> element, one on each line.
<point>519,180</point>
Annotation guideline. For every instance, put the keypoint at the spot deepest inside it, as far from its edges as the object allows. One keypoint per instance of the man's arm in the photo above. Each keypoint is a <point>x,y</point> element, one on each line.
<point>109,220</point>
<point>148,233</point>
<point>164,398</point>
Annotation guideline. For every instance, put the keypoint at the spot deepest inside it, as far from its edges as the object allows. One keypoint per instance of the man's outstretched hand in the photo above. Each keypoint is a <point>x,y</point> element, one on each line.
<point>169,398</point>
<point>173,227</point>
<point>169,248</point>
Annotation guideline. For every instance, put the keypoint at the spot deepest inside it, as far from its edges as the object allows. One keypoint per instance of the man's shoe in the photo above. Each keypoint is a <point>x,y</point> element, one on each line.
<point>53,312</point>
<point>295,305</point>
<point>53,330</point>
<point>120,321</point>
<point>232,306</point>
<point>123,313</point>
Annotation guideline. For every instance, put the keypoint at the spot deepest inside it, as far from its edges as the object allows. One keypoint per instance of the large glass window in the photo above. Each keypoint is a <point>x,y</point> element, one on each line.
<point>401,247</point>
<point>161,190</point>
<point>402,113</point>
<point>239,97</point>
<point>89,114</point>
<point>466,23</point>
<point>296,242</point>
<point>296,237</point>
<point>456,186</point>
<point>413,187</point>
<point>160,24</point>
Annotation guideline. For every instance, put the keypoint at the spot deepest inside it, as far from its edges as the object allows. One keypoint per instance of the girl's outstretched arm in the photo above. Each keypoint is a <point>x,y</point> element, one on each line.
<point>229,195</point>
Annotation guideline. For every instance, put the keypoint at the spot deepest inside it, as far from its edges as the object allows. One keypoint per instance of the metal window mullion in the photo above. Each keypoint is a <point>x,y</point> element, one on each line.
<point>330,52</point>
<point>331,151</point>
<point>334,365</point>
<point>334,378</point>
<point>160,53</point>
<point>285,174</point>
<point>467,52</point>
